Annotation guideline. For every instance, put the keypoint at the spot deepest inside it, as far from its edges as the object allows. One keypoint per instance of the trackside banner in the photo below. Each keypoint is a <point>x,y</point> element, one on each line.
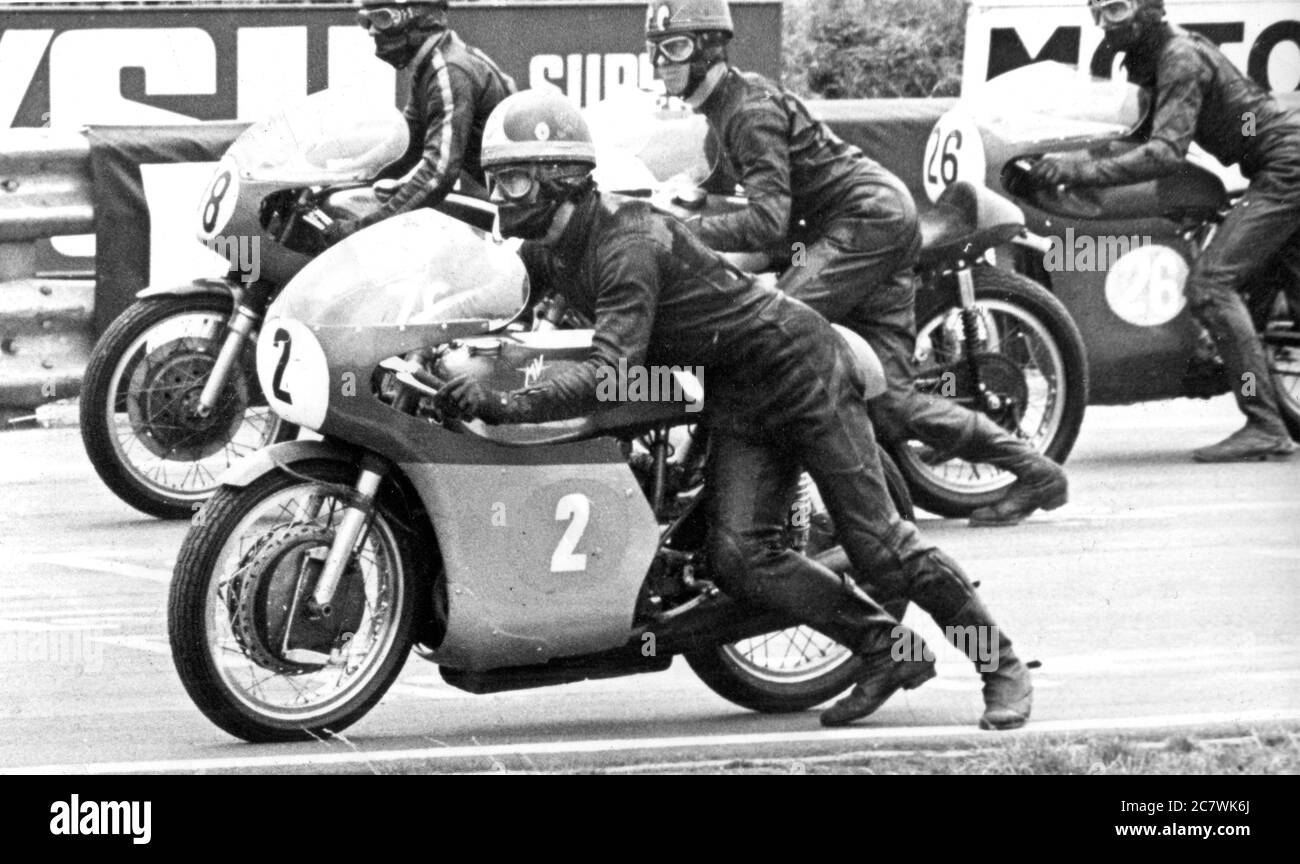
<point>1261,36</point>
<point>68,65</point>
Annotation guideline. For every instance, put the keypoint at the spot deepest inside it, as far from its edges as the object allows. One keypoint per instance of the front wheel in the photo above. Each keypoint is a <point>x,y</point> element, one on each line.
<point>138,419</point>
<point>250,656</point>
<point>796,668</point>
<point>1032,363</point>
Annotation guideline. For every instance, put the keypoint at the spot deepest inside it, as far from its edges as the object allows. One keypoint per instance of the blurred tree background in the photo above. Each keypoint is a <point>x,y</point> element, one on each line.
<point>861,49</point>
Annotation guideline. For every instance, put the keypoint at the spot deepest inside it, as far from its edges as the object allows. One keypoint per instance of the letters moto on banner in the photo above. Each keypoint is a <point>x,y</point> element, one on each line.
<point>1261,36</point>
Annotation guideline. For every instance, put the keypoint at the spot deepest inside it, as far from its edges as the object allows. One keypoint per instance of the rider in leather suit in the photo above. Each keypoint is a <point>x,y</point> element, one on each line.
<point>1200,96</point>
<point>454,88</point>
<point>784,393</point>
<point>854,226</point>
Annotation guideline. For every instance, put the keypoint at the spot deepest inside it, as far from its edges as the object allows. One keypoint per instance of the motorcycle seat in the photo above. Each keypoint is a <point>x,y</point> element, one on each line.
<point>965,221</point>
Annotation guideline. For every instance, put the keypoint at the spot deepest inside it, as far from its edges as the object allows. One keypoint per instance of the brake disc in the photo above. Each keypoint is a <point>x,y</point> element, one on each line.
<point>271,596</point>
<point>162,400</point>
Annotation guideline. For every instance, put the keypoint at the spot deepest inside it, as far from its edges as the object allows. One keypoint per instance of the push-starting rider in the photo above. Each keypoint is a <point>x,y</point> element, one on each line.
<point>858,224</point>
<point>453,89</point>
<point>785,393</point>
<point>1201,97</point>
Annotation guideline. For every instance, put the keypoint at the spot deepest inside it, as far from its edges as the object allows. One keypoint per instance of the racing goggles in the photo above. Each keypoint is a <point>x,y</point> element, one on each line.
<point>674,49</point>
<point>383,18</point>
<point>1112,13</point>
<point>513,183</point>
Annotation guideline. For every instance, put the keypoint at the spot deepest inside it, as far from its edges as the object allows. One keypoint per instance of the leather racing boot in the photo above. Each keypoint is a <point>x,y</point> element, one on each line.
<point>943,590</point>
<point>1039,485</point>
<point>1251,442</point>
<point>1040,482</point>
<point>882,676</point>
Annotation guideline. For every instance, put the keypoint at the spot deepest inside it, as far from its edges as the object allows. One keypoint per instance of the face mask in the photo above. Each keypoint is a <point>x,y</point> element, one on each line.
<point>394,49</point>
<point>1124,37</point>
<point>527,221</point>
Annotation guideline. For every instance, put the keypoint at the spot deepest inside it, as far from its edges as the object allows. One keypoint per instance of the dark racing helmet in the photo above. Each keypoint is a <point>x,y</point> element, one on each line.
<point>1127,23</point>
<point>538,153</point>
<point>684,39</point>
<point>400,27</point>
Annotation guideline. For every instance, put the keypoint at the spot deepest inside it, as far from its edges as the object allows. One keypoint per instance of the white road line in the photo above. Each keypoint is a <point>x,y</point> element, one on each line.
<point>78,561</point>
<point>151,644</point>
<point>621,745</point>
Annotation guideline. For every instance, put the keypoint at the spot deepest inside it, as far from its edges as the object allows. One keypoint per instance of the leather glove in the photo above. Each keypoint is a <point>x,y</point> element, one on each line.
<point>465,398</point>
<point>1058,170</point>
<point>340,230</point>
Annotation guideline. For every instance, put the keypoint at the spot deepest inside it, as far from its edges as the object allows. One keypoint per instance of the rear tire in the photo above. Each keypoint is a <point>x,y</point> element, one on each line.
<point>738,674</point>
<point>1035,331</point>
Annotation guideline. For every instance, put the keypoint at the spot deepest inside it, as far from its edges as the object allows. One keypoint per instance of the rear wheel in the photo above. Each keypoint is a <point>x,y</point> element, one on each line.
<point>796,668</point>
<point>1031,358</point>
<point>248,654</point>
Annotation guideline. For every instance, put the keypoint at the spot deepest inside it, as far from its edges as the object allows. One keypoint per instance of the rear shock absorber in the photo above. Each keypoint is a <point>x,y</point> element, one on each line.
<point>799,521</point>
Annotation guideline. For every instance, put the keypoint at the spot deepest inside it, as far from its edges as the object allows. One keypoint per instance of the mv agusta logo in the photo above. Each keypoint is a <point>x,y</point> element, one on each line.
<point>533,371</point>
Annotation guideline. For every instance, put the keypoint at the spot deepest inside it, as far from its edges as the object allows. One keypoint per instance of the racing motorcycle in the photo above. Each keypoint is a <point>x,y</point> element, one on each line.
<point>989,337</point>
<point>512,556</point>
<point>1116,257</point>
<point>169,399</point>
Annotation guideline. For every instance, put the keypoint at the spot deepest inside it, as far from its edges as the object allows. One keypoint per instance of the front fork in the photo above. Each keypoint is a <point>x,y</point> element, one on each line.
<point>241,325</point>
<point>351,529</point>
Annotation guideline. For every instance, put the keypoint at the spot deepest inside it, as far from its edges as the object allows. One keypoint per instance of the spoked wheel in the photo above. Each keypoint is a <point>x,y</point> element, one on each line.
<point>139,418</point>
<point>1033,374</point>
<point>251,656</point>
<point>796,668</point>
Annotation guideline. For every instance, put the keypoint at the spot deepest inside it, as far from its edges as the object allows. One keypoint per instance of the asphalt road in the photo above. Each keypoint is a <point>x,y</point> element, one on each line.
<point>1165,596</point>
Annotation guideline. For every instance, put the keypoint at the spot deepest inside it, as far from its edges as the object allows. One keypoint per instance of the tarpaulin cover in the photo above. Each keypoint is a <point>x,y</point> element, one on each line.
<point>122,222</point>
<point>891,131</point>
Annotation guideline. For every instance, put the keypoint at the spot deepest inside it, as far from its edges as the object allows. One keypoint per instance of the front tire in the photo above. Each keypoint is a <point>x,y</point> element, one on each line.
<point>1034,351</point>
<point>1277,319</point>
<point>797,668</point>
<point>225,610</point>
<point>146,371</point>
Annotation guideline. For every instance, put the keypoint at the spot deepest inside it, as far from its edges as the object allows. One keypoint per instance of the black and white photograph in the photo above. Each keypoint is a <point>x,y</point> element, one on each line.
<point>691,387</point>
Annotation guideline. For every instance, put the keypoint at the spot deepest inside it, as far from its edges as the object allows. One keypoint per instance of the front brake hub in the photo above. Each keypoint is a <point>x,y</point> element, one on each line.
<point>162,400</point>
<point>272,617</point>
